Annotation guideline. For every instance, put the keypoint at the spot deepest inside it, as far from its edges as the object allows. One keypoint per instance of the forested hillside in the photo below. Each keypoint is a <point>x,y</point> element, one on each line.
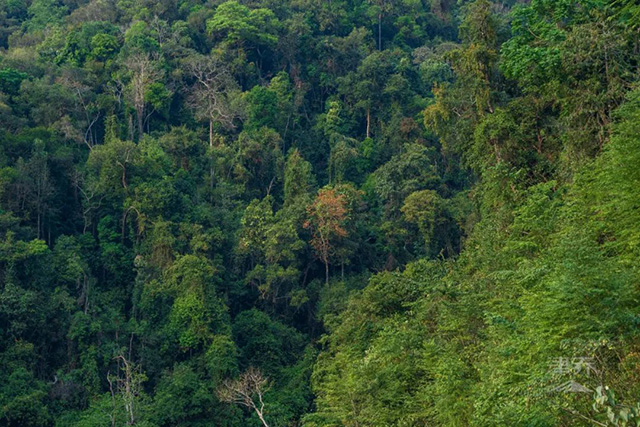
<point>319,213</point>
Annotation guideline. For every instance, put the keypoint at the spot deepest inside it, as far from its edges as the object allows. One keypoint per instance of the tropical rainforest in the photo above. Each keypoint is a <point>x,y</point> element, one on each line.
<point>319,213</point>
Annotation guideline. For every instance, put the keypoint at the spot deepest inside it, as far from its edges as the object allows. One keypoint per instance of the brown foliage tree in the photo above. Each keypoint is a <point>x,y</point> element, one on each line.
<point>326,217</point>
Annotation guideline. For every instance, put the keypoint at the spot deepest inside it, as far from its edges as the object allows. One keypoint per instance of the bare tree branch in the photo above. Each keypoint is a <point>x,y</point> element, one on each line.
<point>211,95</point>
<point>247,390</point>
<point>144,72</point>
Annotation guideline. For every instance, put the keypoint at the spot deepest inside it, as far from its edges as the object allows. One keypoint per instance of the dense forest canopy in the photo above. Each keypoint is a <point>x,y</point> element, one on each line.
<point>319,213</point>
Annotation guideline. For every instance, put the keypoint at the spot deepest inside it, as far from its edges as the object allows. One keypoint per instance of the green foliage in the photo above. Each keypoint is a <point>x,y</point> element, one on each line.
<point>298,180</point>
<point>103,46</point>
<point>10,80</point>
<point>372,371</point>
<point>23,400</point>
<point>239,24</point>
<point>265,343</point>
<point>410,212</point>
<point>43,13</point>
<point>181,398</point>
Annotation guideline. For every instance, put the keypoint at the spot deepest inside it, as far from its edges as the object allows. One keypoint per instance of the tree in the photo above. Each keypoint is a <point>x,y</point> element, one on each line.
<point>262,157</point>
<point>262,108</point>
<point>423,208</point>
<point>213,93</point>
<point>109,165</point>
<point>477,60</point>
<point>242,25</point>
<point>10,80</point>
<point>326,217</point>
<point>127,385</point>
<point>184,396</point>
<point>270,244</point>
<point>461,105</point>
<point>45,12</point>
<point>377,367</point>
<point>410,171</point>
<point>299,181</point>
<point>35,186</point>
<point>144,72</point>
<point>89,109</point>
<point>367,87</point>
<point>580,65</point>
<point>103,46</point>
<point>247,390</point>
<point>382,7</point>
<point>197,312</point>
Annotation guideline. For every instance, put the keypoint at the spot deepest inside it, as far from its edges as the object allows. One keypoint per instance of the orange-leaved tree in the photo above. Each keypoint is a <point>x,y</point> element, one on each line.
<point>326,217</point>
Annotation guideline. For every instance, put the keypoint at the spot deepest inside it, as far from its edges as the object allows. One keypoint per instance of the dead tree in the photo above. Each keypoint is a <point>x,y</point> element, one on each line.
<point>144,72</point>
<point>210,97</point>
<point>126,386</point>
<point>247,390</point>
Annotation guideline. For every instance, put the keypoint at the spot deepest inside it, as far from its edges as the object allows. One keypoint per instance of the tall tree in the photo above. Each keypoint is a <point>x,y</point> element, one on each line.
<point>144,72</point>
<point>212,95</point>
<point>326,218</point>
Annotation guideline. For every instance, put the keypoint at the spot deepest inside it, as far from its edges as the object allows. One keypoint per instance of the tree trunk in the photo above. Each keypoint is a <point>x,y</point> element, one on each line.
<point>368,121</point>
<point>124,176</point>
<point>130,128</point>
<point>124,225</point>
<point>140,114</point>
<point>210,133</point>
<point>262,418</point>
<point>326,272</point>
<point>380,31</point>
